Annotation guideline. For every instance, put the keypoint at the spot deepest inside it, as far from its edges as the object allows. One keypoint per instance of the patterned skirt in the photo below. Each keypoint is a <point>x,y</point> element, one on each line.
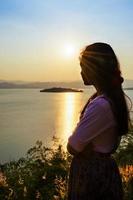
<point>95,177</point>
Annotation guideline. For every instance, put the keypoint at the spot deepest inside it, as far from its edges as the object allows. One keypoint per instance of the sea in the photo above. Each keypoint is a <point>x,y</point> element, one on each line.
<point>28,115</point>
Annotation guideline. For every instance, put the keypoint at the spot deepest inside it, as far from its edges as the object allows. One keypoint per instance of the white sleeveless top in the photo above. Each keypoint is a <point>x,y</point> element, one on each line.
<point>98,126</point>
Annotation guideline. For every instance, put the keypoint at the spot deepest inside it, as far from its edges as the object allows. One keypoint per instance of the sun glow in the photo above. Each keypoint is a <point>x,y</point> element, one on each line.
<point>69,50</point>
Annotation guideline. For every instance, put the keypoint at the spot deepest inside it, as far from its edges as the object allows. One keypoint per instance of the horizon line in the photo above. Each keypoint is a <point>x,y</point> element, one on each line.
<point>51,81</point>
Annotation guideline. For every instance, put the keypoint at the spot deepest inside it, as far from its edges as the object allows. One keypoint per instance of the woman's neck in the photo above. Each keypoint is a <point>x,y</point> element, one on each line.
<point>98,91</point>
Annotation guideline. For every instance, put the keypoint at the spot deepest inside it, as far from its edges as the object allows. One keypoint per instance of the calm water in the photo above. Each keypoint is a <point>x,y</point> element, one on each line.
<point>26,115</point>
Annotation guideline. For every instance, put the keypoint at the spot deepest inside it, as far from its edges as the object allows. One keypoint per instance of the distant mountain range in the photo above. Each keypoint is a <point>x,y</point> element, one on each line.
<point>41,85</point>
<point>22,84</point>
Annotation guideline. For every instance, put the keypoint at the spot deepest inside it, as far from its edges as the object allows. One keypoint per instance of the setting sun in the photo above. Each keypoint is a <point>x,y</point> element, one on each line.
<point>69,50</point>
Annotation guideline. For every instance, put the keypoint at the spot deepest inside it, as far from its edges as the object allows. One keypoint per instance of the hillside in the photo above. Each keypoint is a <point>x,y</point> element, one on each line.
<point>74,84</point>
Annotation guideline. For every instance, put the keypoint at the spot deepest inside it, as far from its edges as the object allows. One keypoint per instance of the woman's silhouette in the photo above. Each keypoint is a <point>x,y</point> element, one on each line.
<point>94,174</point>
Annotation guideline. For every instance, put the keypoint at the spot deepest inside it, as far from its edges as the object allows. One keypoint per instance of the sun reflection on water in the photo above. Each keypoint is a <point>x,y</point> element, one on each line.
<point>68,116</point>
<point>69,113</point>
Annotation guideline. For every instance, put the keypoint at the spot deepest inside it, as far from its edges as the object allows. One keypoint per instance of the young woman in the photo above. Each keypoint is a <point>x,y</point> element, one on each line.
<point>94,174</point>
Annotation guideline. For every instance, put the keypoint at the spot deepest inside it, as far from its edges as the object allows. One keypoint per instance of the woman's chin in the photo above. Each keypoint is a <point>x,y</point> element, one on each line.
<point>87,83</point>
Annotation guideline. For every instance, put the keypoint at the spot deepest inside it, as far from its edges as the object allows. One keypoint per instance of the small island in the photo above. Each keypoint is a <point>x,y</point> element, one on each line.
<point>60,89</point>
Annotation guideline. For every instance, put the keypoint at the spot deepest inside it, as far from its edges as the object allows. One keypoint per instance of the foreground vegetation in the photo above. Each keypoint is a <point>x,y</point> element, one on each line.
<point>43,173</point>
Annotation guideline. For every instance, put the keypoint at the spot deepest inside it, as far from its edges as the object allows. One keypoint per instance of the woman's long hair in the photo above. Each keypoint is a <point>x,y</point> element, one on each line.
<point>100,60</point>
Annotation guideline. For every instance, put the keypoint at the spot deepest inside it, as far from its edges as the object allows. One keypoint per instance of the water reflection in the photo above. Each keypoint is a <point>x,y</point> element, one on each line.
<point>69,108</point>
<point>68,115</point>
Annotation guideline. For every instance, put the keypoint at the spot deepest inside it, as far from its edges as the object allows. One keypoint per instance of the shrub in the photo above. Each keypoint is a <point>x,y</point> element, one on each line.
<point>124,158</point>
<point>43,173</point>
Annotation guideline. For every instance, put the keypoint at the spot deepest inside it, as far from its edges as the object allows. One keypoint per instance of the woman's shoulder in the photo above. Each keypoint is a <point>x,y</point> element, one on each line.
<point>100,108</point>
<point>101,101</point>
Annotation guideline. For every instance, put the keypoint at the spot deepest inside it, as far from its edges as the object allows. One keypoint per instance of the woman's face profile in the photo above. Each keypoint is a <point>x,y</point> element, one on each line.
<point>83,76</point>
<point>86,75</point>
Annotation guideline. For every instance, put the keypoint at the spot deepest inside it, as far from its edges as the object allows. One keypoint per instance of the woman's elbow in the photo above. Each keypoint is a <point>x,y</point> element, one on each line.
<point>71,150</point>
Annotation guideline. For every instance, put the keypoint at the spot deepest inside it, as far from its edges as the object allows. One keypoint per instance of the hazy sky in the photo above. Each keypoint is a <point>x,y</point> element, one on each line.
<point>40,40</point>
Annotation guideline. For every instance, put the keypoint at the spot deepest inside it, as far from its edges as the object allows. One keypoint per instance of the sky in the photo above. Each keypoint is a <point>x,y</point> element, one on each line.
<point>40,40</point>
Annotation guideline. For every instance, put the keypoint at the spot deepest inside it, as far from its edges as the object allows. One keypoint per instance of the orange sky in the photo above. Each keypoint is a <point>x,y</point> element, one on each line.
<point>41,40</point>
